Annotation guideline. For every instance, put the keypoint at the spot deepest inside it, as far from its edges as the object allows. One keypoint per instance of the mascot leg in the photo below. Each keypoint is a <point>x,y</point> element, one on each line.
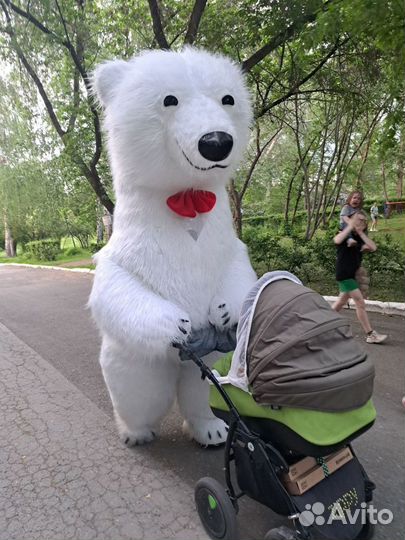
<point>192,395</point>
<point>142,391</point>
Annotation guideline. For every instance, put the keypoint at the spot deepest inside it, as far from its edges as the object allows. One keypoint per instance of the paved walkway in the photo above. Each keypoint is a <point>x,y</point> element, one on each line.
<point>65,475</point>
<point>63,472</point>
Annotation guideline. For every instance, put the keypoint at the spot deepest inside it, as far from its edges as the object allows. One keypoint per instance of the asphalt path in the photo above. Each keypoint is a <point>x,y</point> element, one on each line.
<point>46,309</point>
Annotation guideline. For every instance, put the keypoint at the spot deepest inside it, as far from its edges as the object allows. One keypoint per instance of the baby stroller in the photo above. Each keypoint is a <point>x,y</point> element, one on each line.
<point>296,390</point>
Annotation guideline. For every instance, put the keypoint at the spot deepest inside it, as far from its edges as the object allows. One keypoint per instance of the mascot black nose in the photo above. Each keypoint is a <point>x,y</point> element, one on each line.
<point>215,146</point>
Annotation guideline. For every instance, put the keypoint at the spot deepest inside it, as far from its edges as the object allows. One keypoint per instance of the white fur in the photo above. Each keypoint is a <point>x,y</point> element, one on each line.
<point>153,277</point>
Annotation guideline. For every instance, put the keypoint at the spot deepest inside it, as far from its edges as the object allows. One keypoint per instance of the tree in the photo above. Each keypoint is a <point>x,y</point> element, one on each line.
<point>66,30</point>
<point>36,186</point>
<point>294,53</point>
<point>69,119</point>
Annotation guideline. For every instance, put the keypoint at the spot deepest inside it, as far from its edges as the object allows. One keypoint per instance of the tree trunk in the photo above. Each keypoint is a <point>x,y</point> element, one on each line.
<point>100,231</point>
<point>236,207</point>
<point>10,244</point>
<point>384,180</point>
<point>400,169</point>
<point>237,219</point>
<point>108,225</point>
<point>363,156</point>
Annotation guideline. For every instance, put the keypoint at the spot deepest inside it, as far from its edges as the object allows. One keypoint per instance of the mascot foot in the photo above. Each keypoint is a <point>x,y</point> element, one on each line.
<point>135,437</point>
<point>138,437</point>
<point>209,432</point>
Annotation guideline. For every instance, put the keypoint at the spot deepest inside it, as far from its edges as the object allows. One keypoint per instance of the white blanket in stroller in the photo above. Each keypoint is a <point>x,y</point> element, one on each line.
<point>237,375</point>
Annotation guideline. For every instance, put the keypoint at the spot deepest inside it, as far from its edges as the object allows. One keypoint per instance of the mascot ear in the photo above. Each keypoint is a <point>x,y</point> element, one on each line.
<point>105,79</point>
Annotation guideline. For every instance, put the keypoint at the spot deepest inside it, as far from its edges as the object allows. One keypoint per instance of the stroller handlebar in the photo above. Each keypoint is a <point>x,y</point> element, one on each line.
<point>206,372</point>
<point>188,354</point>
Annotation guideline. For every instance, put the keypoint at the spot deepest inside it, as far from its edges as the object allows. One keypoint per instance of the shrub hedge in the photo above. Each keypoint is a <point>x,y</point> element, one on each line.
<point>43,250</point>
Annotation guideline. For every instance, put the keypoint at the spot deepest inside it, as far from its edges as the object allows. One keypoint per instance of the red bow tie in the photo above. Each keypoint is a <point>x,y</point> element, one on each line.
<point>191,202</point>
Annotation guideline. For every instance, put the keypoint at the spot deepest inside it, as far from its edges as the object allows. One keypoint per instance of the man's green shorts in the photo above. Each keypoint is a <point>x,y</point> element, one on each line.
<point>347,285</point>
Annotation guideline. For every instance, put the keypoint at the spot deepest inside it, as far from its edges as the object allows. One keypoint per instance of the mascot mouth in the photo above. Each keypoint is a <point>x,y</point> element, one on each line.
<point>216,166</point>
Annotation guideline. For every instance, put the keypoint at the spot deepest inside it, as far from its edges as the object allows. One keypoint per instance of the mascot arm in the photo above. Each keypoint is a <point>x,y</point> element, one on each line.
<point>236,282</point>
<point>131,313</point>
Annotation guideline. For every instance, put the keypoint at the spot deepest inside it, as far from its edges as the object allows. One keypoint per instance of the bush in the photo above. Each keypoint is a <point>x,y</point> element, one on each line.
<point>388,260</point>
<point>263,247</point>
<point>275,221</point>
<point>310,272</point>
<point>314,261</point>
<point>367,203</point>
<point>269,252</point>
<point>43,250</point>
<point>322,250</point>
<point>70,251</point>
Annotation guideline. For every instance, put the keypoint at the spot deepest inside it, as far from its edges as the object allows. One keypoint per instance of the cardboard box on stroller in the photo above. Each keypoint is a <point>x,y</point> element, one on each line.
<point>299,468</point>
<point>302,466</point>
<point>316,474</point>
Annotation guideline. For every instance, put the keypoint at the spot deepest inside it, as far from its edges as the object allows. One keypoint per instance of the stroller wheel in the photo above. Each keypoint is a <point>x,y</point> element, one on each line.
<point>215,509</point>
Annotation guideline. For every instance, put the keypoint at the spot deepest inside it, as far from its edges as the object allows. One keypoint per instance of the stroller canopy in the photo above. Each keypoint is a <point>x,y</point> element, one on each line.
<point>293,350</point>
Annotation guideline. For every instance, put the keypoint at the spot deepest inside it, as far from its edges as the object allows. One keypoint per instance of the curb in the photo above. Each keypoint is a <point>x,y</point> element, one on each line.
<point>85,270</point>
<point>385,308</point>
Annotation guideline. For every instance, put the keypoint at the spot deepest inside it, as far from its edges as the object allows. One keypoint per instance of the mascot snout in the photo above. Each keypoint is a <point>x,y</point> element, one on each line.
<point>215,146</point>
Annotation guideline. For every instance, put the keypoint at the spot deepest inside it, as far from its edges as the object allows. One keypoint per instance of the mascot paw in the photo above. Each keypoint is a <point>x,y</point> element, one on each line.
<point>209,432</point>
<point>220,316</point>
<point>138,437</point>
<point>183,331</point>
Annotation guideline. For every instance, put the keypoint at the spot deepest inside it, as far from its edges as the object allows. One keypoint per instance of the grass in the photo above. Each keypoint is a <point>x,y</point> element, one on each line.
<point>394,226</point>
<point>81,259</point>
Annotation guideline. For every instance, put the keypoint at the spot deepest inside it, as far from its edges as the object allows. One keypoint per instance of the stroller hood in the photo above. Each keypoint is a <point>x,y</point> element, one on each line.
<point>294,350</point>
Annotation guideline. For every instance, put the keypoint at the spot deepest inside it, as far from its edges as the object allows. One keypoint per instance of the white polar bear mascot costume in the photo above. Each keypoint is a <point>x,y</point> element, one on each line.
<point>177,125</point>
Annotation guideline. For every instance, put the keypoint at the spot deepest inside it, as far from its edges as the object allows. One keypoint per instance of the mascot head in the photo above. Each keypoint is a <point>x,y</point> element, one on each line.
<point>175,120</point>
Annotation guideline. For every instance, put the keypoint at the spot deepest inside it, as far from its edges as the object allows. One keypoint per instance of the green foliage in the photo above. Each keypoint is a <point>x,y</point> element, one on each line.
<point>314,261</point>
<point>96,246</point>
<point>71,251</point>
<point>388,260</point>
<point>43,250</point>
<point>276,221</point>
<point>368,203</point>
<point>42,188</point>
<point>269,251</point>
<point>323,250</point>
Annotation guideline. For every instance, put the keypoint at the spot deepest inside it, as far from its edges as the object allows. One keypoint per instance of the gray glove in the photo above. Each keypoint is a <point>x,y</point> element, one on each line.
<point>208,339</point>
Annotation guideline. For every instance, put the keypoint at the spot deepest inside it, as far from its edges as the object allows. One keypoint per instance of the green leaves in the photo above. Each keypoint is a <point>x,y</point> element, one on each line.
<point>305,63</point>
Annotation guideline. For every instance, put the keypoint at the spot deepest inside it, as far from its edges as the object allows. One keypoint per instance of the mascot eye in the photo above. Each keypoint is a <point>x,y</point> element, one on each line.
<point>228,100</point>
<point>170,101</point>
